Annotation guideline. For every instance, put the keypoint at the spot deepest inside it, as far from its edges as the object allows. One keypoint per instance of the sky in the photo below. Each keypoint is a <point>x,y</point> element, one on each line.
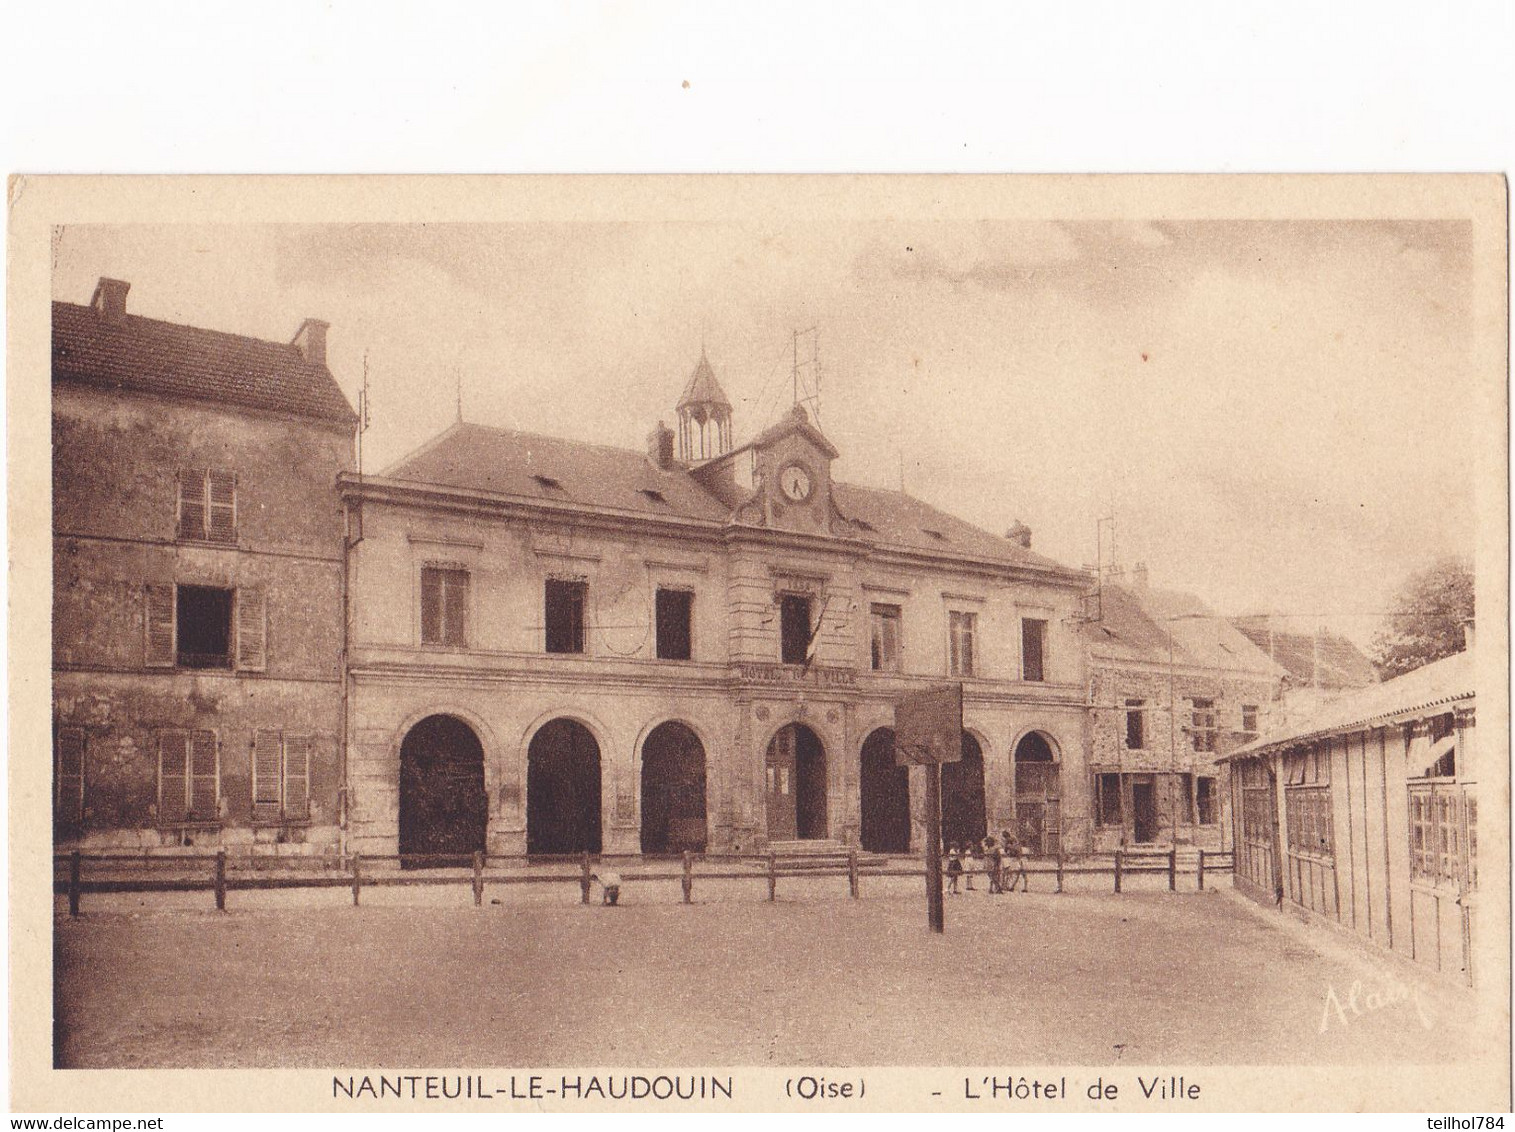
<point>1264,406</point>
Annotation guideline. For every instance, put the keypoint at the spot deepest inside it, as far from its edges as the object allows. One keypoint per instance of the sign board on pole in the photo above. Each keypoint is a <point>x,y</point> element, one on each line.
<point>928,727</point>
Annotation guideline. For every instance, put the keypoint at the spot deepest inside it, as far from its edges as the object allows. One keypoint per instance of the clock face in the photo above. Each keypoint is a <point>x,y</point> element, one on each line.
<point>795,483</point>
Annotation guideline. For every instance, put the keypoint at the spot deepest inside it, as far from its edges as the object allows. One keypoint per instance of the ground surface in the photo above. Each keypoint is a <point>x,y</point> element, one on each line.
<point>423,978</point>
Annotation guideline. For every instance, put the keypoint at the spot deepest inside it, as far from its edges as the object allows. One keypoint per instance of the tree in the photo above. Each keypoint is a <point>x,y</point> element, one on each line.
<point>1425,618</point>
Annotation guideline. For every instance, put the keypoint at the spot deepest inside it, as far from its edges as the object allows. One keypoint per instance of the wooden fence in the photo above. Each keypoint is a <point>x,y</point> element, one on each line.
<point>206,872</point>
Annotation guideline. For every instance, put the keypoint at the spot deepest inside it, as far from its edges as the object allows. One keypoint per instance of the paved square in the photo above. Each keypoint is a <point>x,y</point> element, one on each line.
<point>429,980</point>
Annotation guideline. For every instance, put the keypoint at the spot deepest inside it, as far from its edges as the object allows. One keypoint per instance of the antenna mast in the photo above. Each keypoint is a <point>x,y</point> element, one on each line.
<point>807,392</point>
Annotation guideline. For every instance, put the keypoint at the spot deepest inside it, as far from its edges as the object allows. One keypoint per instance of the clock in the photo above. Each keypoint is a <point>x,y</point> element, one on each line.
<point>794,481</point>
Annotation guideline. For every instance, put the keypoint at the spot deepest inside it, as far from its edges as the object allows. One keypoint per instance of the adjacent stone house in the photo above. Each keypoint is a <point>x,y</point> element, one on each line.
<point>1173,687</point>
<point>197,582</point>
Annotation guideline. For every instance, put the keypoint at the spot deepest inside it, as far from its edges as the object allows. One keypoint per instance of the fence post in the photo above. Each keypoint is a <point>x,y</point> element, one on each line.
<point>773,875</point>
<point>1117,869</point>
<point>1059,870</point>
<point>478,878</point>
<point>1201,870</point>
<point>688,875</point>
<point>584,878</point>
<point>73,883</point>
<point>1173,869</point>
<point>221,880</point>
<point>357,876</point>
<point>852,873</point>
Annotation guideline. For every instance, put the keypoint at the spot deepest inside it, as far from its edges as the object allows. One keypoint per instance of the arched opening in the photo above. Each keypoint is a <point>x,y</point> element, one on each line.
<point>796,784</point>
<point>1038,795</point>
<point>885,796</point>
<point>963,811</point>
<point>673,790</point>
<point>443,807</point>
<point>563,790</point>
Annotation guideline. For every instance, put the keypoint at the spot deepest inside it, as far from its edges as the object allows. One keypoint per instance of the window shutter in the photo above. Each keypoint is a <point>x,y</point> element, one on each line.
<point>431,607</point>
<point>297,750</point>
<point>455,603</point>
<point>70,795</point>
<point>204,800</point>
<point>158,617</point>
<point>173,775</point>
<point>265,774</point>
<point>221,524</point>
<point>192,504</point>
<point>252,629</point>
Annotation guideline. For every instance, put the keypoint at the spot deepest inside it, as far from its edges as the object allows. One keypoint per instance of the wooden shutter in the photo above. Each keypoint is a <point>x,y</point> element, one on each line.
<point>70,778</point>
<point>266,775</point>
<point>431,606</point>
<point>252,629</point>
<point>221,522</point>
<point>192,504</point>
<point>159,630</point>
<point>173,775</point>
<point>297,749</point>
<point>454,606</point>
<point>204,796</point>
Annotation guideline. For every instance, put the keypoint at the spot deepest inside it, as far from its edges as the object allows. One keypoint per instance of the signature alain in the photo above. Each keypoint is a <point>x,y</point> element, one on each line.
<point>1359,1002</point>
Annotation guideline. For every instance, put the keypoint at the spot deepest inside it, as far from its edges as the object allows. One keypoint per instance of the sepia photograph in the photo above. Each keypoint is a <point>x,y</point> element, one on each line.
<point>959,643</point>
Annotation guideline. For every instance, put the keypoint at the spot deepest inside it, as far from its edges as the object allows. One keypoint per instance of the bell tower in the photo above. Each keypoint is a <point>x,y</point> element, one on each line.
<point>704,416</point>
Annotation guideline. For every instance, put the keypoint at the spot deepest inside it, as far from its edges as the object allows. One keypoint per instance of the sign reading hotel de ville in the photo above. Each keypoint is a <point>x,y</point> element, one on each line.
<point>928,727</point>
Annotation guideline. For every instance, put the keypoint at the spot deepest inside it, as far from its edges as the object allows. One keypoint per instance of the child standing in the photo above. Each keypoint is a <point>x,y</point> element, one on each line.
<point>954,869</point>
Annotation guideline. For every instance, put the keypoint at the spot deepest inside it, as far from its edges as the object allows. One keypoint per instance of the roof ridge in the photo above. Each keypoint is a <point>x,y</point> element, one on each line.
<point>129,318</point>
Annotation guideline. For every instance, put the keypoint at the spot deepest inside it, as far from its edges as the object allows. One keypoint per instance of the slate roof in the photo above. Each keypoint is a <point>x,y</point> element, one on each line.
<point>149,356</point>
<point>480,458</point>
<point>1137,624</point>
<point>899,520</point>
<point>529,466</point>
<point>1442,682</point>
<point>703,388</point>
<point>1324,661</point>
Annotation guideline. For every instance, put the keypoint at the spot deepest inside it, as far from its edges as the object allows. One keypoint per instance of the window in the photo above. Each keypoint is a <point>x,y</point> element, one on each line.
<point>280,776</point>
<point>203,617</point>
<point>444,606</point>
<point>961,628</point>
<point>1202,730</point>
<point>68,797</point>
<point>1207,798</point>
<point>191,626</point>
<point>565,615</point>
<point>208,505</point>
<point>1033,649</point>
<point>1108,806</point>
<point>1136,725</point>
<point>1249,718</point>
<point>794,628</point>
<point>1307,811</point>
<point>885,637</point>
<point>674,608</point>
<point>189,776</point>
<point>1470,818</point>
<point>1438,813</point>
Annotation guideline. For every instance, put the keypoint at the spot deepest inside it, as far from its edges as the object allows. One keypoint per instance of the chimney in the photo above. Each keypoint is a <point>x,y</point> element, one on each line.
<point>1467,634</point>
<point>1020,534</point>
<point>110,298</point>
<point>1139,575</point>
<point>310,340</point>
<point>660,446</point>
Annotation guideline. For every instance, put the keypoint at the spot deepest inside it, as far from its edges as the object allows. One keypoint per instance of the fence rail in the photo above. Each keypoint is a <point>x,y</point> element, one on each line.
<point>360,871</point>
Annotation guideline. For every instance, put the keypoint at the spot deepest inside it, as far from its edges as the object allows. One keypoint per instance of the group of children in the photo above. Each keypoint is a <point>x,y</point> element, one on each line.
<point>990,856</point>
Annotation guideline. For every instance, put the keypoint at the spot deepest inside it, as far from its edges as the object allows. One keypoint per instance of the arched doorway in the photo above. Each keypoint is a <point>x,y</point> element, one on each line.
<point>885,796</point>
<point>796,784</point>
<point>563,790</point>
<point>963,818</point>
<point>1038,795</point>
<point>673,790</point>
<point>443,807</point>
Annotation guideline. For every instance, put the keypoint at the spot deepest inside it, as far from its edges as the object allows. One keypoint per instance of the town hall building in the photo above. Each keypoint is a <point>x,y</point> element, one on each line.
<point>560,647</point>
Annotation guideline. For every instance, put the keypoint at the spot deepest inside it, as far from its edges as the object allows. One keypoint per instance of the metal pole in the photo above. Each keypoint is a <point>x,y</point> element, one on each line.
<point>357,876</point>
<point>688,875</point>
<point>478,878</point>
<point>73,883</point>
<point>1117,869</point>
<point>220,880</point>
<point>935,914</point>
<point>852,873</point>
<point>1059,870</point>
<point>773,876</point>
<point>1201,870</point>
<point>1173,869</point>
<point>584,878</point>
